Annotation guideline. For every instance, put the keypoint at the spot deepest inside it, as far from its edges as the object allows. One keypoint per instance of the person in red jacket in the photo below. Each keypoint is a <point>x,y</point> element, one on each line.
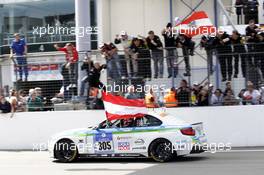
<point>69,68</point>
<point>70,51</point>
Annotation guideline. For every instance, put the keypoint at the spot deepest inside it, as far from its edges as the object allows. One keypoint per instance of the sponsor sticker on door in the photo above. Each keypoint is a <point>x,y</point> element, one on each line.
<point>123,146</point>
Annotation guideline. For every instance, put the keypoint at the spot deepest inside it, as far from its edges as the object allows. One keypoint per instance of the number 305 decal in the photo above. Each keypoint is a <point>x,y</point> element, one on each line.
<point>103,143</point>
<point>104,146</point>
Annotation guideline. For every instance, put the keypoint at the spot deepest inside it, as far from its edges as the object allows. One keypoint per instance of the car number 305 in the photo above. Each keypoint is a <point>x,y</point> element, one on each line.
<point>102,146</point>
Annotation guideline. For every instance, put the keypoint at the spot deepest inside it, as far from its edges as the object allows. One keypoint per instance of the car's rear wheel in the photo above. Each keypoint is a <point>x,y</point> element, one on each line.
<point>65,151</point>
<point>161,150</point>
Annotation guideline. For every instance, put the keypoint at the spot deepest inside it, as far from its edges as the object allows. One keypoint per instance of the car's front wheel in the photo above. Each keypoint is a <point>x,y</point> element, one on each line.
<point>161,150</point>
<point>65,151</point>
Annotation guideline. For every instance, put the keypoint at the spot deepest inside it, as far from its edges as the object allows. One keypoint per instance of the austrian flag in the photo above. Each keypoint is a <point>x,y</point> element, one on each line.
<point>118,107</point>
<point>197,24</point>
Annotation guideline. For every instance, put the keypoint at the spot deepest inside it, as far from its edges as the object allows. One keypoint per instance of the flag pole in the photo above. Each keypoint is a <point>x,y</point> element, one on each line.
<point>103,94</point>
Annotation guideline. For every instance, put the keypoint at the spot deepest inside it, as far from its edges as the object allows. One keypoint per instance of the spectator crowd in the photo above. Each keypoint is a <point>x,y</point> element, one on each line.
<point>200,95</point>
<point>20,101</point>
<point>231,50</point>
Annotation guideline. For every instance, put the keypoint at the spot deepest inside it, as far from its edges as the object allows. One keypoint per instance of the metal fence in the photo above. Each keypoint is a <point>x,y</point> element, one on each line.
<point>58,87</point>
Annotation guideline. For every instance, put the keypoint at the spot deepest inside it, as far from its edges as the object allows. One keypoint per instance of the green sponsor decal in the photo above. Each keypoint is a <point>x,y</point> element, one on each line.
<point>130,132</point>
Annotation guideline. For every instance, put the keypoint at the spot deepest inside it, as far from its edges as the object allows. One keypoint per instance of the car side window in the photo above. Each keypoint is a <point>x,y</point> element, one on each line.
<point>148,120</point>
<point>109,124</point>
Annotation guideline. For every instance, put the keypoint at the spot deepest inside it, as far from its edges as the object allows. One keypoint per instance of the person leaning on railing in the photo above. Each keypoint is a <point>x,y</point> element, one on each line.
<point>239,52</point>
<point>5,106</point>
<point>135,48</point>
<point>251,31</point>
<point>18,49</point>
<point>222,44</point>
<point>125,40</point>
<point>170,98</point>
<point>185,42</point>
<point>229,99</point>
<point>86,66</point>
<point>203,97</point>
<point>70,67</point>
<point>131,94</point>
<point>34,103</point>
<point>252,95</point>
<point>155,45</point>
<point>151,99</point>
<point>171,54</point>
<point>114,68</point>
<point>206,43</point>
<point>217,98</point>
<point>184,94</point>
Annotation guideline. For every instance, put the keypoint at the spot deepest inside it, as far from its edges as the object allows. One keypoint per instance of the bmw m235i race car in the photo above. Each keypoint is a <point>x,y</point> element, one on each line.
<point>158,136</point>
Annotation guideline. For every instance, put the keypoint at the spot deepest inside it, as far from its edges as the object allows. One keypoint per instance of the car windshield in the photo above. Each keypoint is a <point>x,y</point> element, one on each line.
<point>144,121</point>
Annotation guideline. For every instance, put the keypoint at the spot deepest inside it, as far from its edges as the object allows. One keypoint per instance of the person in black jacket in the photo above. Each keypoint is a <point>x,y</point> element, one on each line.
<point>239,7</point>
<point>95,85</point>
<point>222,43</point>
<point>94,76</point>
<point>184,94</point>
<point>5,106</point>
<point>155,45</point>
<point>86,66</point>
<point>170,50</point>
<point>141,56</point>
<point>186,44</point>
<point>239,51</point>
<point>206,43</point>
<point>251,32</point>
<point>251,10</point>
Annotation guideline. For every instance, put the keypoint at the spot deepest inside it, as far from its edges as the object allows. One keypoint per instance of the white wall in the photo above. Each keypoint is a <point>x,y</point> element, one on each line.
<point>140,16</point>
<point>137,17</point>
<point>239,125</point>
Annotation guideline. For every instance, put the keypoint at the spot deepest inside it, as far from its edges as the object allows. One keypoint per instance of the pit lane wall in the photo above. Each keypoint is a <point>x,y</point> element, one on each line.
<point>238,125</point>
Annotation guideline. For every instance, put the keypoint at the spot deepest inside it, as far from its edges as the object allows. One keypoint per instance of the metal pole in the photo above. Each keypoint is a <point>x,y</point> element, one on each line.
<point>83,39</point>
<point>216,25</point>
<point>171,12</point>
<point>226,14</point>
<point>171,20</point>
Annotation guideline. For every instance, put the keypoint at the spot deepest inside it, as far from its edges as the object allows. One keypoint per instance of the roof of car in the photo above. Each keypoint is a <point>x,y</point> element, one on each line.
<point>167,118</point>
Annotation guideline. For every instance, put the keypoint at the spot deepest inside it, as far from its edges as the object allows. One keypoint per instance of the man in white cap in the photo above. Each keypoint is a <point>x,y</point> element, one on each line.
<point>125,40</point>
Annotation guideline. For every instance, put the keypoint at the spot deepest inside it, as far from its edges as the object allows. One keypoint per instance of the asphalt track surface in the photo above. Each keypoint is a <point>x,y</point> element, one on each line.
<point>240,162</point>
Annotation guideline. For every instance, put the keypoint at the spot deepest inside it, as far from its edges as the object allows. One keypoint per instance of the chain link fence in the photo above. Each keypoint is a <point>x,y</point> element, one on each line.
<point>222,78</point>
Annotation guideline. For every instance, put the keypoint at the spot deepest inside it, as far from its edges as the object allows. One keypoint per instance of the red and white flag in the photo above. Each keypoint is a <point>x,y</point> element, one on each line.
<point>118,107</point>
<point>197,24</point>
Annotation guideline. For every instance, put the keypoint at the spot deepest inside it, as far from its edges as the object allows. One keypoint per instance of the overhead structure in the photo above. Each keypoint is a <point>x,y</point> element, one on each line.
<point>218,4</point>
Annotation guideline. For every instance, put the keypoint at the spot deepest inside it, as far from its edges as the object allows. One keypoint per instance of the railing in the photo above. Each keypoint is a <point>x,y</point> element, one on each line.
<point>62,90</point>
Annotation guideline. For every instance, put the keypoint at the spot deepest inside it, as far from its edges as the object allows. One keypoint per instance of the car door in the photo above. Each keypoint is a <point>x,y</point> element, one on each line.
<point>146,129</point>
<point>101,139</point>
<point>123,139</point>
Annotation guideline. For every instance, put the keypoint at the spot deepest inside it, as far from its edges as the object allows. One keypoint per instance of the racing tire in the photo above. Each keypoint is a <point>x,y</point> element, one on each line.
<point>161,150</point>
<point>65,151</point>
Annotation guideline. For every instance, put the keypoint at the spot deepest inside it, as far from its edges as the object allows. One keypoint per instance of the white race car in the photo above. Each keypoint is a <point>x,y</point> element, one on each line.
<point>156,135</point>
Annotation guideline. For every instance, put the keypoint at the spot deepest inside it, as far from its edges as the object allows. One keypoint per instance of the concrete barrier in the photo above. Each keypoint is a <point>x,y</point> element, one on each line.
<point>238,125</point>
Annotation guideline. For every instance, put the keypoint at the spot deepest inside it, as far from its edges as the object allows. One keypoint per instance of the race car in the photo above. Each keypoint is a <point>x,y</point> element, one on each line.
<point>155,135</point>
